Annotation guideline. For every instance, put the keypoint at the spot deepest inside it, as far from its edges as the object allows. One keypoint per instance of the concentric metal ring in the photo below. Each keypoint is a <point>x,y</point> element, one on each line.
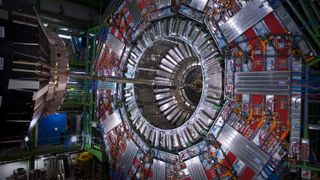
<point>194,39</point>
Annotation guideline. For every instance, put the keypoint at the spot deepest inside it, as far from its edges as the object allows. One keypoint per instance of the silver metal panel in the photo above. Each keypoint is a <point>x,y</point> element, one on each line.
<point>245,18</point>
<point>189,51</point>
<point>163,95</point>
<point>23,84</point>
<point>173,113</point>
<point>133,56</point>
<point>199,4</point>
<point>152,33</point>
<point>179,53</point>
<point>137,121</point>
<point>199,129</point>
<point>164,27</point>
<point>266,82</point>
<point>174,55</point>
<point>140,124</point>
<point>169,141</point>
<point>171,25</point>
<point>194,34</point>
<point>206,52</point>
<point>168,63</point>
<point>137,52</point>
<point>205,45</point>
<point>162,83</point>
<point>159,28</point>
<point>128,156</point>
<point>209,111</point>
<point>170,109</point>
<point>181,139</point>
<point>162,89</point>
<point>115,44</point>
<point>295,109</point>
<point>195,168</point>
<point>176,26</point>
<point>163,139</point>
<point>176,117</point>
<point>201,39</point>
<point>291,26</point>
<point>165,68</point>
<point>159,170</point>
<point>40,92</point>
<point>184,136</point>
<point>187,132</point>
<point>152,136</point>
<point>182,27</point>
<point>244,149</point>
<point>156,30</point>
<point>182,118</point>
<point>202,125</point>
<point>168,57</point>
<point>132,63</point>
<point>143,128</point>
<point>147,132</point>
<point>195,135</point>
<point>167,105</point>
<point>157,138</point>
<point>134,11</point>
<point>165,100</point>
<point>205,118</point>
<point>38,102</point>
<point>145,39</point>
<point>140,45</point>
<point>176,143</point>
<point>164,74</point>
<point>187,30</point>
<point>212,57</point>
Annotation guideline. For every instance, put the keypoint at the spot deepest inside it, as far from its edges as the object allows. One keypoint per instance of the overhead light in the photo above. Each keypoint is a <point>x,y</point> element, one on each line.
<point>79,72</point>
<point>45,24</point>
<point>26,139</point>
<point>64,29</point>
<point>74,139</point>
<point>64,36</point>
<point>72,82</point>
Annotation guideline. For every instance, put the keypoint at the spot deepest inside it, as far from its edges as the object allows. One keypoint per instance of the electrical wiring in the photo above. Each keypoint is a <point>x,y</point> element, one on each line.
<point>266,122</point>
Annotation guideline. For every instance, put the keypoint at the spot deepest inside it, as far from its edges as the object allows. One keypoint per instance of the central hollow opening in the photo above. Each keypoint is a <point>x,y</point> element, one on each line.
<point>191,85</point>
<point>177,74</point>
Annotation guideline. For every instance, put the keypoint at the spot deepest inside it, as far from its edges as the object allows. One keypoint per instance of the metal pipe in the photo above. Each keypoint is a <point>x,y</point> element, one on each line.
<point>309,30</point>
<point>310,15</point>
<point>315,9</point>
<point>40,73</point>
<point>26,71</point>
<point>146,69</point>
<point>112,79</point>
<point>32,63</point>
